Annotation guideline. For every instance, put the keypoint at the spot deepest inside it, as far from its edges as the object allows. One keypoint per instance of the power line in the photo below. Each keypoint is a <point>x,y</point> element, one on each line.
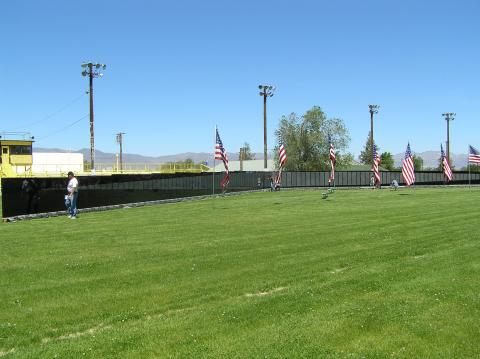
<point>63,128</point>
<point>76,99</point>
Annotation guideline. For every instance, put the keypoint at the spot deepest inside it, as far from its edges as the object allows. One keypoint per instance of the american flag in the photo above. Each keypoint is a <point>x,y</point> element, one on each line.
<point>221,154</point>
<point>473,155</point>
<point>376,162</point>
<point>408,171</point>
<point>282,158</point>
<point>446,167</point>
<point>282,155</point>
<point>333,160</point>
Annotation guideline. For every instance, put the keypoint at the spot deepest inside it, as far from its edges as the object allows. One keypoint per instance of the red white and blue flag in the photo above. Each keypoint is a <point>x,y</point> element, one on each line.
<point>408,170</point>
<point>376,162</point>
<point>447,171</point>
<point>282,158</point>
<point>473,155</point>
<point>333,160</point>
<point>221,154</point>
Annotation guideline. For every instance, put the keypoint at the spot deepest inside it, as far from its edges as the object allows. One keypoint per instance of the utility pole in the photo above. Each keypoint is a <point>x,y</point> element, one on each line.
<point>373,109</point>
<point>266,91</point>
<point>92,70</point>
<point>449,116</point>
<point>120,141</point>
<point>241,158</point>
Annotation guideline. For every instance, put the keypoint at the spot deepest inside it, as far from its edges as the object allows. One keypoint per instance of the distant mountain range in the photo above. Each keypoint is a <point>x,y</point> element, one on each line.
<point>105,157</point>
<point>430,158</point>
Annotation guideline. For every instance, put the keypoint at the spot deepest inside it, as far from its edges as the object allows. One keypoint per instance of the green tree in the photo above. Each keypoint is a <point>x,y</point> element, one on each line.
<point>440,164</point>
<point>417,163</point>
<point>387,161</point>
<point>247,152</point>
<point>306,140</point>
<point>188,162</point>
<point>366,156</point>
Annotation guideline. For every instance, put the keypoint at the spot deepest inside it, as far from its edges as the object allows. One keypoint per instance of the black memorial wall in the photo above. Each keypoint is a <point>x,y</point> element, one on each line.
<point>22,196</point>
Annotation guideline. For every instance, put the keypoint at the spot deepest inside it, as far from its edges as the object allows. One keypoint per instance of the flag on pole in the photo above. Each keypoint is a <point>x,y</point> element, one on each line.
<point>408,170</point>
<point>333,160</point>
<point>221,154</point>
<point>447,171</point>
<point>282,155</point>
<point>473,155</point>
<point>282,158</point>
<point>376,162</point>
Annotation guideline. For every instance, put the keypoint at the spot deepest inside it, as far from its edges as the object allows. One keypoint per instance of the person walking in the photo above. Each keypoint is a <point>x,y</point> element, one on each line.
<point>72,196</point>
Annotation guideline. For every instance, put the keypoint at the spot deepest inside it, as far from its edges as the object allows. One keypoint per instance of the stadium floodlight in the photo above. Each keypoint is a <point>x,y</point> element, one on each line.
<point>91,71</point>
<point>267,91</point>
<point>372,109</point>
<point>449,116</point>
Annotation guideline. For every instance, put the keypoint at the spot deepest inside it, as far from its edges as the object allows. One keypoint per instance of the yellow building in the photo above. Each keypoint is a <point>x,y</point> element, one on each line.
<point>16,157</point>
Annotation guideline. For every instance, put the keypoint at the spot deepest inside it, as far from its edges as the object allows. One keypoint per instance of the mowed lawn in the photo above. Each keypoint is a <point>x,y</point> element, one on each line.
<point>373,274</point>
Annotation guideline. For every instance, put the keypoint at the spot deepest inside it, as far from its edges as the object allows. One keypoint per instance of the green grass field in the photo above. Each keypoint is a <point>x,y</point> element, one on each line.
<point>373,274</point>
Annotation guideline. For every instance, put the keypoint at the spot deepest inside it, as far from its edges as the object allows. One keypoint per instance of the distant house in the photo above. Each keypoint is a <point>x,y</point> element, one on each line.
<point>57,163</point>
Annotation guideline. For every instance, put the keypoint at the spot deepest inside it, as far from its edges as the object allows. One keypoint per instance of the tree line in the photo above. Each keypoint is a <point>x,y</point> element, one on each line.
<point>306,139</point>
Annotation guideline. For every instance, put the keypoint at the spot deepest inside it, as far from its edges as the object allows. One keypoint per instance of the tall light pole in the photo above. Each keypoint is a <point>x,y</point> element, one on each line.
<point>92,70</point>
<point>120,141</point>
<point>265,91</point>
<point>373,109</point>
<point>449,116</point>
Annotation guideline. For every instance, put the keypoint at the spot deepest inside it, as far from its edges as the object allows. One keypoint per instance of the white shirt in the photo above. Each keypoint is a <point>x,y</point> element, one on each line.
<point>72,185</point>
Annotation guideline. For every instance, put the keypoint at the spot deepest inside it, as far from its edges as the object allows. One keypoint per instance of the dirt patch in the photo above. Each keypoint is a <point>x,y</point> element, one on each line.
<point>90,331</point>
<point>4,353</point>
<point>262,294</point>
<point>168,312</point>
<point>338,270</point>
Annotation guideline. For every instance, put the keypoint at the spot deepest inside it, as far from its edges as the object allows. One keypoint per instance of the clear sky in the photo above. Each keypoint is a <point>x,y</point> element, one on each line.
<point>175,69</point>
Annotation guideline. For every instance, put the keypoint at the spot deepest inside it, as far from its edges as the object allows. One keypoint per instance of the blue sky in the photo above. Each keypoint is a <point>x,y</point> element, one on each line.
<point>175,69</point>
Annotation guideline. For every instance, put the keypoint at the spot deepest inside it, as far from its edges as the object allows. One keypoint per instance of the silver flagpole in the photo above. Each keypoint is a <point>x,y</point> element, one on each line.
<point>213,172</point>
<point>469,181</point>
<point>334,177</point>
